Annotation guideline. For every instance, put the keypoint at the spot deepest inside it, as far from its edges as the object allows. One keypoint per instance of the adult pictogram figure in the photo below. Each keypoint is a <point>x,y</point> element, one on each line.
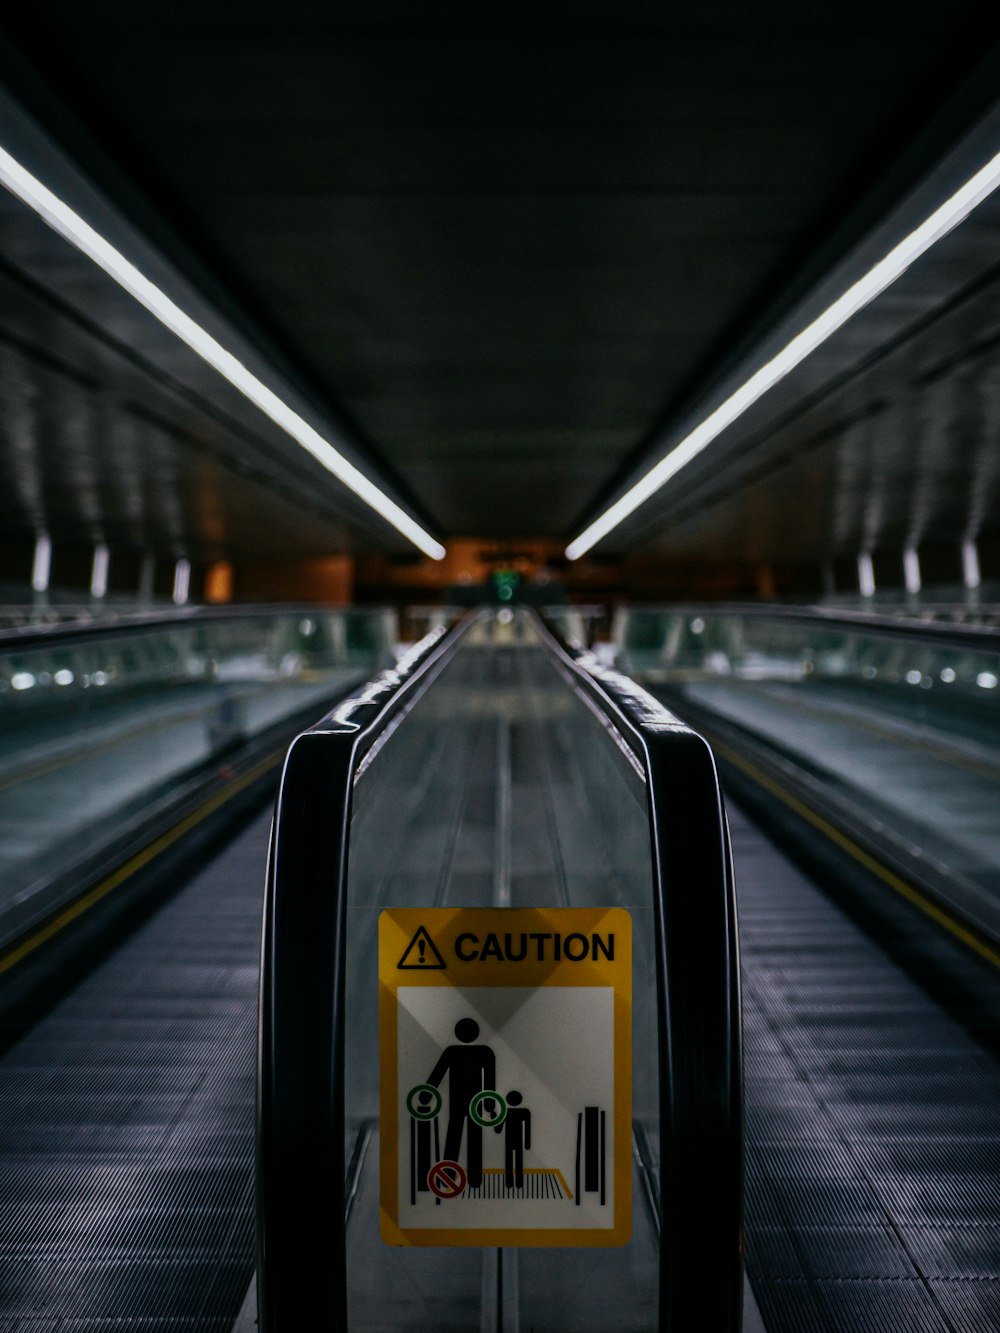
<point>516,1129</point>
<point>470,1069</point>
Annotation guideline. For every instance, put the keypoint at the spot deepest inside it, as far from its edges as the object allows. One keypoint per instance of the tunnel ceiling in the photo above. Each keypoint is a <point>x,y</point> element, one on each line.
<point>505,253</point>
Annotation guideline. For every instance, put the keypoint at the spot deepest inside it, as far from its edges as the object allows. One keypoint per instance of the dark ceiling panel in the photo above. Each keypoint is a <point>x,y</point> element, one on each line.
<point>899,451</point>
<point>112,431</point>
<point>505,249</point>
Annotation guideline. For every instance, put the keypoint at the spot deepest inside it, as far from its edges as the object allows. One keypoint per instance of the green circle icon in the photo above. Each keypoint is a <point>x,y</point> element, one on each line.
<point>488,1122</point>
<point>430,1109</point>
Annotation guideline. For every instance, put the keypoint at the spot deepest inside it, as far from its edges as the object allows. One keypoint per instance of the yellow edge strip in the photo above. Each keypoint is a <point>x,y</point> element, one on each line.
<point>901,886</point>
<point>569,1192</point>
<point>87,900</point>
<point>533,1171</point>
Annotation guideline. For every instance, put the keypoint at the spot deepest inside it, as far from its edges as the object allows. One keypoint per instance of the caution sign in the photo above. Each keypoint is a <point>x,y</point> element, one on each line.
<point>506,1076</point>
<point>420,952</point>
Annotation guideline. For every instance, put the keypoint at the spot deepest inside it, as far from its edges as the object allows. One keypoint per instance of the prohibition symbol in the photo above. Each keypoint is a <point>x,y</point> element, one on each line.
<point>423,1102</point>
<point>447,1179</point>
<point>489,1120</point>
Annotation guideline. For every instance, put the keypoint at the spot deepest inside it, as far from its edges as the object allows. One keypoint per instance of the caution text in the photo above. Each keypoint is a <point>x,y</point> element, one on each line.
<point>534,946</point>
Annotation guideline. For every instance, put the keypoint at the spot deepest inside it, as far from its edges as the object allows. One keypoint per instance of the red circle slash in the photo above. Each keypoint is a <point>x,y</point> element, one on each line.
<point>446,1179</point>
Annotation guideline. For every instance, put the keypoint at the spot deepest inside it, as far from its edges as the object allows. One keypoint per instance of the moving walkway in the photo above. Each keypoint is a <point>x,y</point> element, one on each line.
<point>866,746</point>
<point>139,759</point>
<point>495,768</point>
<point>126,1144</point>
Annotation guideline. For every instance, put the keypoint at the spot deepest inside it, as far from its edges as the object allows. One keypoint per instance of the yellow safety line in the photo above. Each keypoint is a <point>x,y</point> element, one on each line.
<point>569,1192</point>
<point>894,881</point>
<point>56,923</point>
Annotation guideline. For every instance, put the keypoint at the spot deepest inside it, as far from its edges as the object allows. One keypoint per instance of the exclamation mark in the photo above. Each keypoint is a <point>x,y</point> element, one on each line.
<point>422,946</point>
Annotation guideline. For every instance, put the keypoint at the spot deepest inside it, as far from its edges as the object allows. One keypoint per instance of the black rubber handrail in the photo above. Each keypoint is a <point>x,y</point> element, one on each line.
<point>698,996</point>
<point>302,1252</point>
<point>301,1247</point>
<point>910,627</point>
<point>23,637</point>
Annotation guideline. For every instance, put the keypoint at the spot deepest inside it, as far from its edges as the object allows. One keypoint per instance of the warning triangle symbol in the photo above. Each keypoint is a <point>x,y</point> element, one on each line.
<point>421,952</point>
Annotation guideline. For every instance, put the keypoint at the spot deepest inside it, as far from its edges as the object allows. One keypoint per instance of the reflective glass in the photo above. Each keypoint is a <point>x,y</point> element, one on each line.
<point>903,733</point>
<point>100,732</point>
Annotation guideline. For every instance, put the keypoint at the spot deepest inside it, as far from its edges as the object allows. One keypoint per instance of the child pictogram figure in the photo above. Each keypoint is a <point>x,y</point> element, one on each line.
<point>516,1129</point>
<point>471,1069</point>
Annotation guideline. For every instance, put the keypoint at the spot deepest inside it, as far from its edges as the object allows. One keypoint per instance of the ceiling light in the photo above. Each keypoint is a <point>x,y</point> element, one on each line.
<point>41,565</point>
<point>943,220</point>
<point>182,581</point>
<point>61,218</point>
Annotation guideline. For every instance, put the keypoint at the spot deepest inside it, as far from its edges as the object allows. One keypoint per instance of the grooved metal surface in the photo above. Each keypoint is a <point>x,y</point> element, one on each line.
<point>126,1121</point>
<point>873,1140</point>
<point>126,1125</point>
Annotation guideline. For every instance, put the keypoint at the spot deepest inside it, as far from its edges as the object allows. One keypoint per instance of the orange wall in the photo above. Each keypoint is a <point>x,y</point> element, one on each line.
<point>329,580</point>
<point>339,580</point>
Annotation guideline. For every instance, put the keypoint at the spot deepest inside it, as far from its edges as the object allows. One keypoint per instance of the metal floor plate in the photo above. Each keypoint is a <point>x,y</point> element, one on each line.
<point>126,1121</point>
<point>126,1125</point>
<point>873,1141</point>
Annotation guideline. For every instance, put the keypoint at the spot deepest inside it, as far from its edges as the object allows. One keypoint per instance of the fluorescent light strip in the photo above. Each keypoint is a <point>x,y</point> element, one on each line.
<point>41,565</point>
<point>61,218</point>
<point>99,571</point>
<point>943,220</point>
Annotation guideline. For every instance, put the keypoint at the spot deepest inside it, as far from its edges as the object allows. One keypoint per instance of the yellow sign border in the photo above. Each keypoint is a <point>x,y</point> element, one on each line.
<point>397,927</point>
